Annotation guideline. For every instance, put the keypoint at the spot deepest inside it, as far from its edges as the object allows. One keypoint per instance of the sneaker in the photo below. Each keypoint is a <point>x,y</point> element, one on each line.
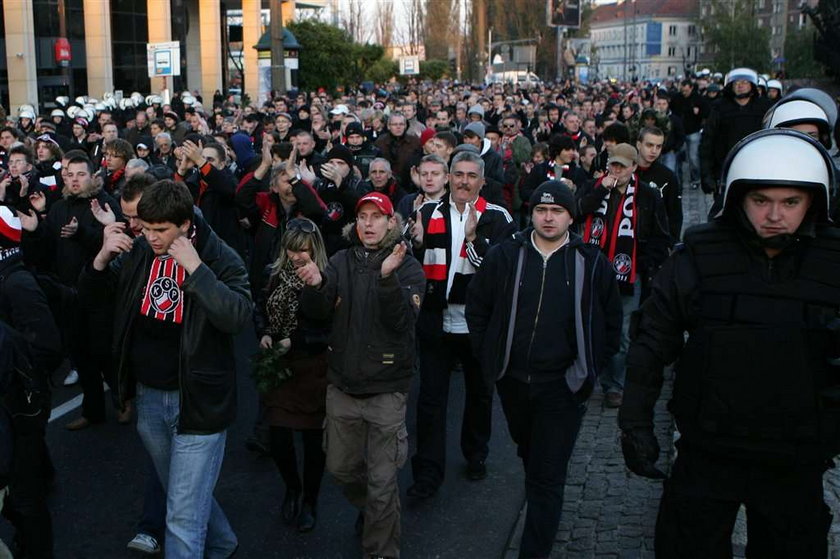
<point>71,378</point>
<point>144,543</point>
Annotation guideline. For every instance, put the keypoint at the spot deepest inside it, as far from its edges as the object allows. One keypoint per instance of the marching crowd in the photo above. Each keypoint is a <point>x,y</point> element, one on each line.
<point>528,239</point>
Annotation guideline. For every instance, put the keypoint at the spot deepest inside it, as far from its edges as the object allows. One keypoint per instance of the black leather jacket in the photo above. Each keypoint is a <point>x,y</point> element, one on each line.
<point>217,301</point>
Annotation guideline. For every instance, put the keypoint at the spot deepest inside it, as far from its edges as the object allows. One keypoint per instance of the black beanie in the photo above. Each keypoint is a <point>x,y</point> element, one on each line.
<point>341,152</point>
<point>553,192</point>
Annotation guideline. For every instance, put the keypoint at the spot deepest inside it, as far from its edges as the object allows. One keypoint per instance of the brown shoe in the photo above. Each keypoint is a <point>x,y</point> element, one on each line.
<point>613,399</point>
<point>78,424</point>
<point>124,416</point>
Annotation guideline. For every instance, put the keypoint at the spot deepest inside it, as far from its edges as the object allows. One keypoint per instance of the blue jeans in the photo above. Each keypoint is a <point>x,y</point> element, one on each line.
<point>188,467</point>
<point>612,377</point>
<point>692,149</point>
<point>670,160</point>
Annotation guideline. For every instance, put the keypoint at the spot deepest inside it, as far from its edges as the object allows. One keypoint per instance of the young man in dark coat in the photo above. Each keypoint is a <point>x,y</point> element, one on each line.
<point>544,316</point>
<point>177,296</point>
<point>626,218</point>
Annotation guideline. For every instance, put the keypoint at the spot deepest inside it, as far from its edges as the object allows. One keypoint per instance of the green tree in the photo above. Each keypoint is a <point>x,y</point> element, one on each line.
<point>799,54</point>
<point>326,54</point>
<point>732,31</point>
<point>434,69</point>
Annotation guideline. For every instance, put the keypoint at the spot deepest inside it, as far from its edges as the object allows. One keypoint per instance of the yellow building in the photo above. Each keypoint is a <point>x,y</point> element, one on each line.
<point>107,45</point>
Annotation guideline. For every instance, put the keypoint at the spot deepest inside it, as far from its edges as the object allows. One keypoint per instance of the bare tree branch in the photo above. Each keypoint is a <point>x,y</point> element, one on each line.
<point>384,25</point>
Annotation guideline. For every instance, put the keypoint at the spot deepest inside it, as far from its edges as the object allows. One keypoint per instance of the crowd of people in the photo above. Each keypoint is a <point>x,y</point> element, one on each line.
<point>530,240</point>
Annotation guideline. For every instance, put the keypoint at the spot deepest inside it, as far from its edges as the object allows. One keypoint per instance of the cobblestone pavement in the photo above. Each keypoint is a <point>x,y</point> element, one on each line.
<point>610,513</point>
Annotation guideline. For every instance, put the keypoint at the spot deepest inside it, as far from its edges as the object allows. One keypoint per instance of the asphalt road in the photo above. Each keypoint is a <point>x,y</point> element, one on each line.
<point>100,475</point>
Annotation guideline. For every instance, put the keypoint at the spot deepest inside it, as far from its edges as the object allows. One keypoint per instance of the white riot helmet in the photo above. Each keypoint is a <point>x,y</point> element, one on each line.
<point>805,106</point>
<point>778,157</point>
<point>27,113</point>
<point>57,113</point>
<point>775,84</point>
<point>73,111</point>
<point>736,74</point>
<point>62,100</point>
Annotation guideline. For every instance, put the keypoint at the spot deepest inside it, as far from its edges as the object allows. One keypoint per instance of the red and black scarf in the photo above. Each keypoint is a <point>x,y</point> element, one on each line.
<point>616,236</point>
<point>163,299</point>
<point>551,170</point>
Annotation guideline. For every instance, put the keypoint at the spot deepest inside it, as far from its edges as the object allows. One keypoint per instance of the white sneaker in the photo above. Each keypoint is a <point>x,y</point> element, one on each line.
<point>144,543</point>
<point>71,378</point>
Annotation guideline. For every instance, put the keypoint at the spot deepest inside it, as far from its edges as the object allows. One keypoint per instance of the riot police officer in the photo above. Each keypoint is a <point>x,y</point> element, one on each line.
<point>756,394</point>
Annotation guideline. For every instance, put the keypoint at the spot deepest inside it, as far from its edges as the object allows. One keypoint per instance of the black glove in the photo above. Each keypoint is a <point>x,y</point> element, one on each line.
<point>641,450</point>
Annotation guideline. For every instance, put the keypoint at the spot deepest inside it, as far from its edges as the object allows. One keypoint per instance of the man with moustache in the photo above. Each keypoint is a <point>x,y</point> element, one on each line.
<point>544,316</point>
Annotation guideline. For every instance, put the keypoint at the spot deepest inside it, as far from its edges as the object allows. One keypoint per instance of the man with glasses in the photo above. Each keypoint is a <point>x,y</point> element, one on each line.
<point>116,155</point>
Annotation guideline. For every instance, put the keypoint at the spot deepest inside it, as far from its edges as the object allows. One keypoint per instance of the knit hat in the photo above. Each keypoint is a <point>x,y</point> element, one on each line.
<point>476,109</point>
<point>379,200</point>
<point>354,128</point>
<point>342,153</point>
<point>553,192</point>
<point>426,135</point>
<point>476,128</point>
<point>9,228</point>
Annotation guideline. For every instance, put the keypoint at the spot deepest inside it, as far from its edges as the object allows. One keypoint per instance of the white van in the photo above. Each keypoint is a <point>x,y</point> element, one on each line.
<point>520,78</point>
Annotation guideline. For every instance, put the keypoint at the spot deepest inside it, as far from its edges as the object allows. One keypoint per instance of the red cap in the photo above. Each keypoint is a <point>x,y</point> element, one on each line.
<point>380,200</point>
<point>426,135</point>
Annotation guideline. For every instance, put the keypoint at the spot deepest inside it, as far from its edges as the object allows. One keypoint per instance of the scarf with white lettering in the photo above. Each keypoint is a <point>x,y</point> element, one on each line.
<point>619,242</point>
<point>163,299</point>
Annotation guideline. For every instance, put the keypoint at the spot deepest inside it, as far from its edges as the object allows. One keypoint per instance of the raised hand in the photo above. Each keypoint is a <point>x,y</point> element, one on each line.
<point>103,215</point>
<point>393,261</point>
<point>416,229</point>
<point>38,201</point>
<point>309,272</point>
<point>471,224</point>
<point>28,221</point>
<point>114,241</point>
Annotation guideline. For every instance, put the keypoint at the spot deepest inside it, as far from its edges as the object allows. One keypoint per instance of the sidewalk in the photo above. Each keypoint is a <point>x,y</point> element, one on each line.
<point>610,513</point>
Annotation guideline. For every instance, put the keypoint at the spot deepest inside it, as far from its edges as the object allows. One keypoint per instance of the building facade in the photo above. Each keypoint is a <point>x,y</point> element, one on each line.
<point>647,39</point>
<point>108,40</point>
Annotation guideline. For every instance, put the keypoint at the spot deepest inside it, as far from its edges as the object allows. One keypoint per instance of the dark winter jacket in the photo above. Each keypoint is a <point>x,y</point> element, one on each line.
<point>576,267</point>
<point>664,180</point>
<point>217,306</point>
<point>214,191</point>
<point>402,153</point>
<point>64,257</point>
<point>372,348</point>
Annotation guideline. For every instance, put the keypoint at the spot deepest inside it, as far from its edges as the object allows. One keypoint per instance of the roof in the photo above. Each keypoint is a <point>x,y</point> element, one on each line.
<point>606,13</point>
<point>289,41</point>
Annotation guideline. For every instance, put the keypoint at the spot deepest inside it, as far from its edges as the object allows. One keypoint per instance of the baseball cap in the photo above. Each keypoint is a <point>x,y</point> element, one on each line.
<point>623,154</point>
<point>379,200</point>
<point>340,110</point>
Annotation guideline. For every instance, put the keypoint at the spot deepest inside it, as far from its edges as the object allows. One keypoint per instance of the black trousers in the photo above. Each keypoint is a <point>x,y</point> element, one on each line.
<point>543,420</point>
<point>91,358</point>
<point>786,514</point>
<point>314,459</point>
<point>32,472</point>
<point>438,356</point>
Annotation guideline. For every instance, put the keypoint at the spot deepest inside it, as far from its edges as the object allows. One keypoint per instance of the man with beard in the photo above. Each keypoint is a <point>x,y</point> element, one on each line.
<point>544,316</point>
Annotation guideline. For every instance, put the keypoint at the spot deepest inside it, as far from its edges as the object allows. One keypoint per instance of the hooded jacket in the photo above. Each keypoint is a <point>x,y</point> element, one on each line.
<point>217,306</point>
<point>372,347</point>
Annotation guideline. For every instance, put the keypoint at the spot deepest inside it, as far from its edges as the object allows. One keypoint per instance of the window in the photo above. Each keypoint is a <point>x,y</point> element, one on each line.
<point>692,30</point>
<point>672,51</point>
<point>672,70</point>
<point>672,30</point>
